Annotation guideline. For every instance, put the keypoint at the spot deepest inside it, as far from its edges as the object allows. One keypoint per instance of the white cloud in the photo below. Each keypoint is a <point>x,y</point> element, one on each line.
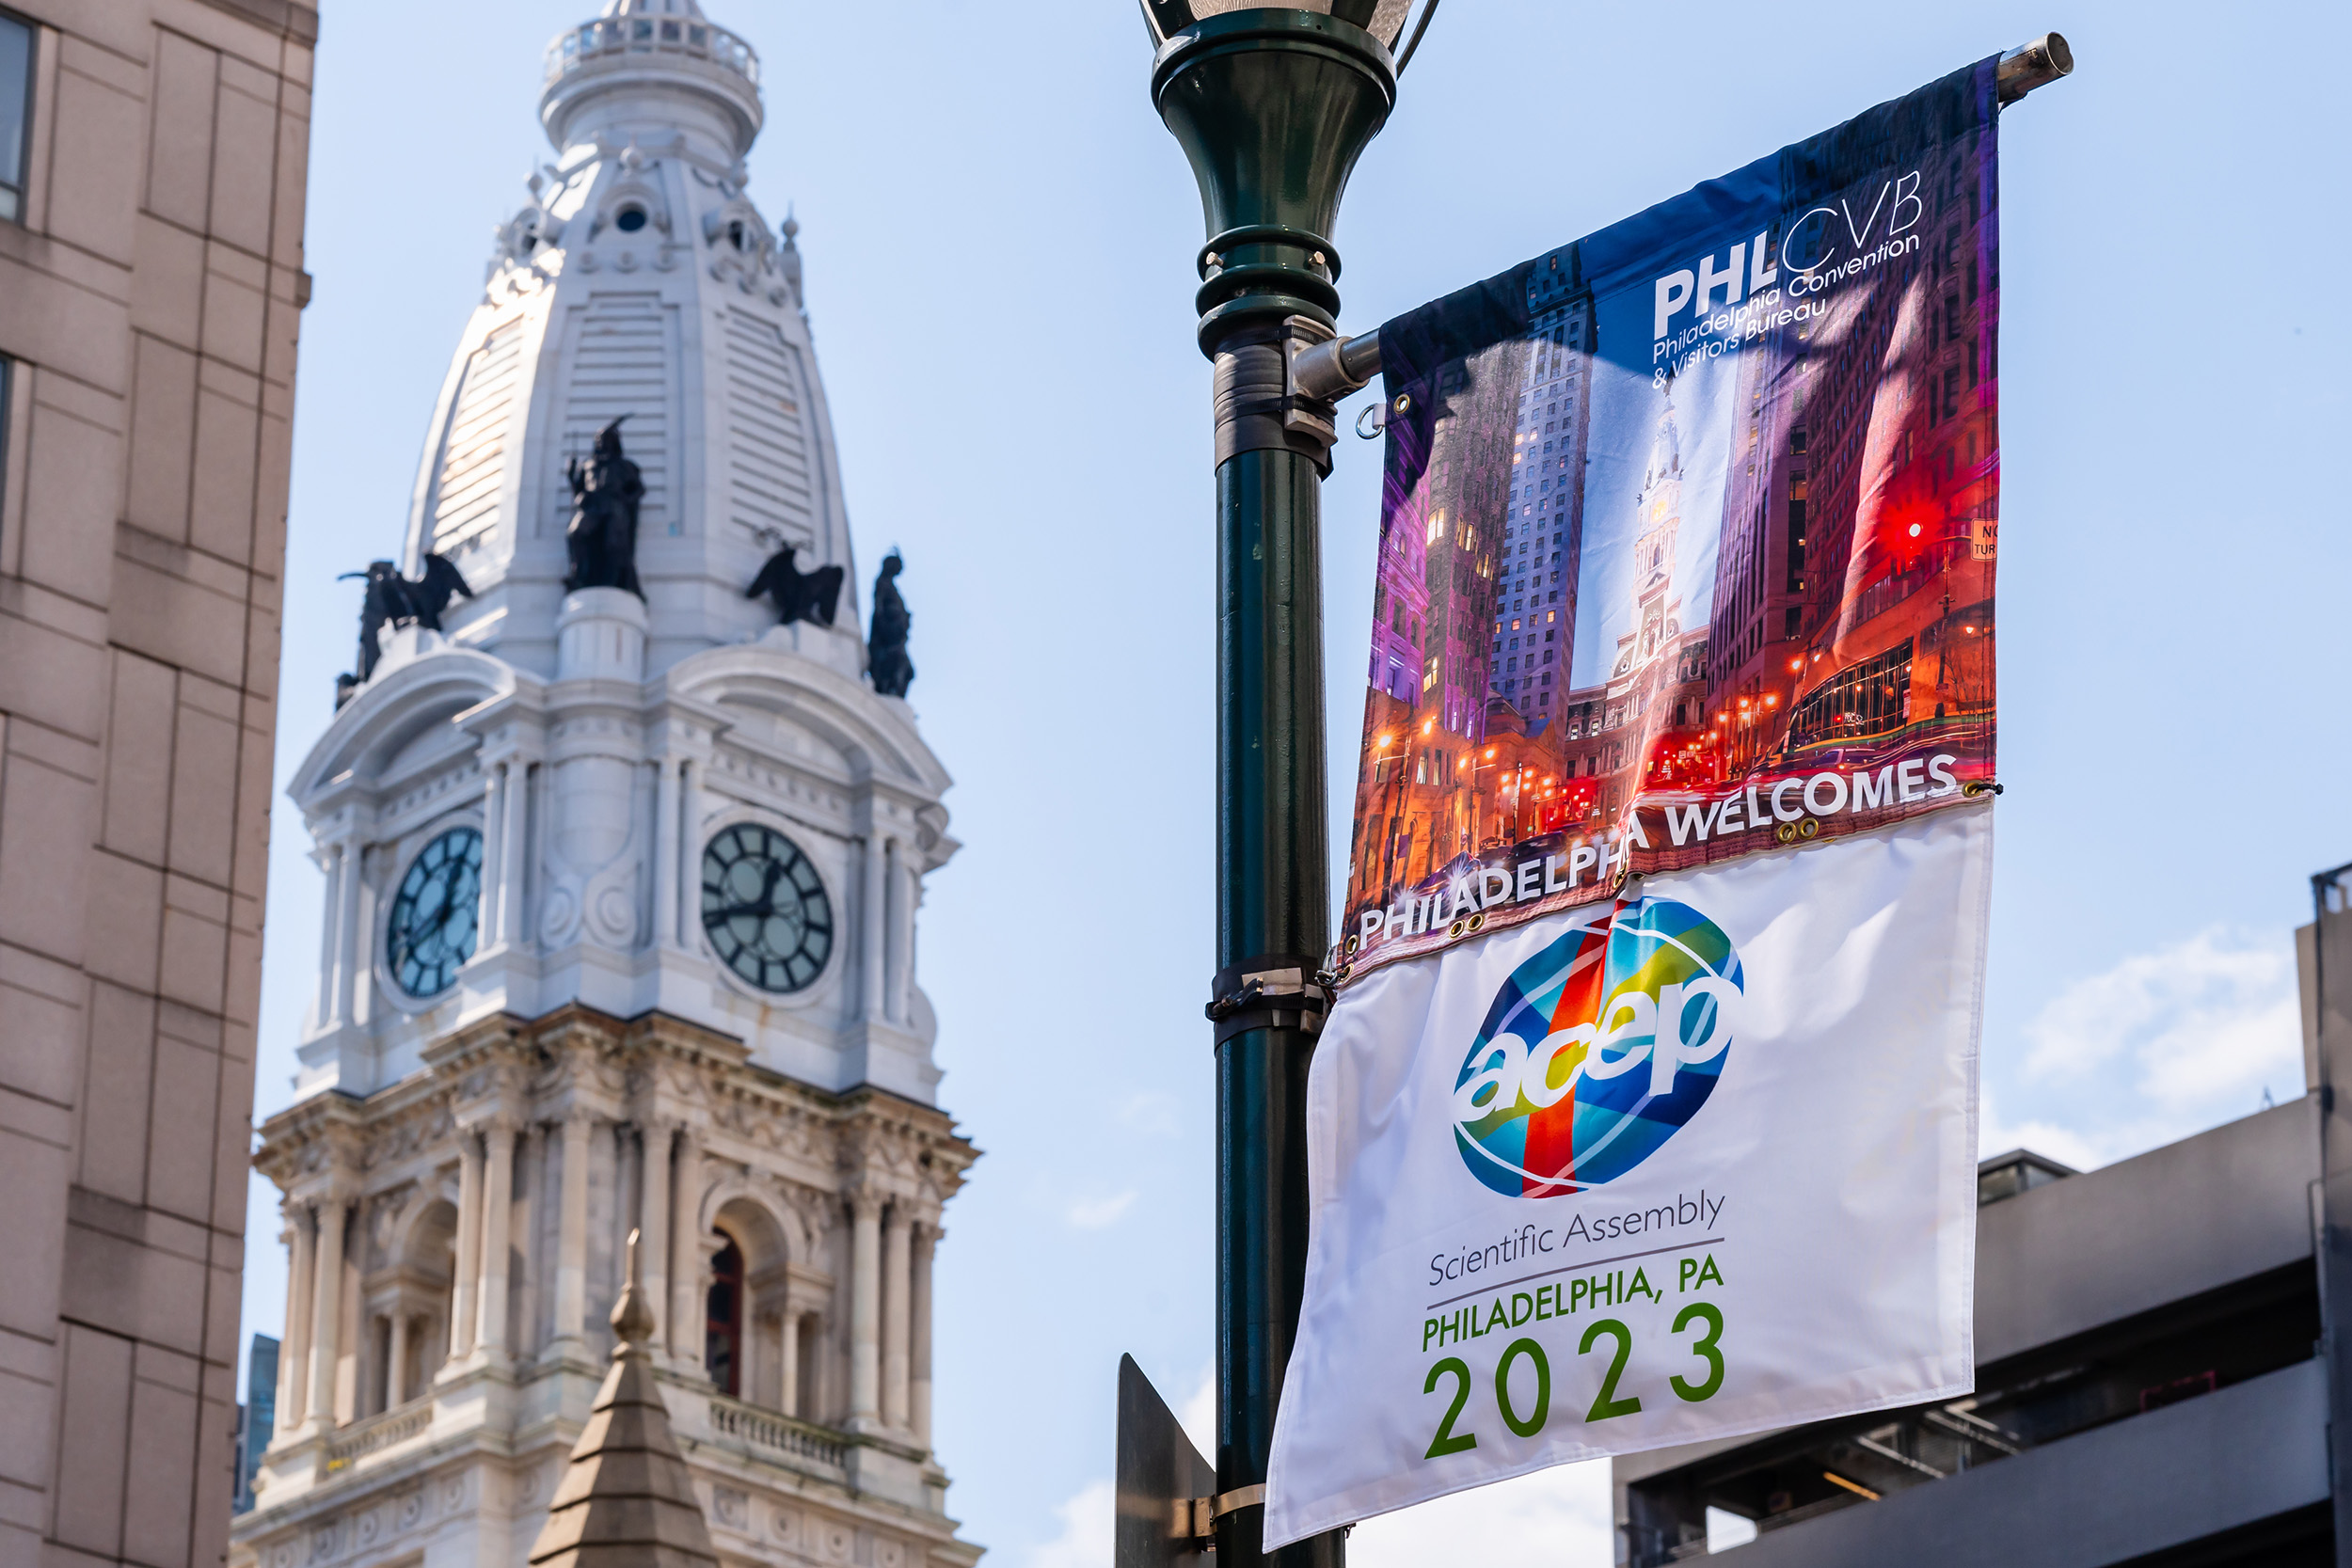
<point>1152,1112</point>
<point>2159,1046</point>
<point>1094,1214</point>
<point>2209,1013</point>
<point>1558,1516</point>
<point>1085,1541</point>
<point>2066,1145</point>
<point>1197,1415</point>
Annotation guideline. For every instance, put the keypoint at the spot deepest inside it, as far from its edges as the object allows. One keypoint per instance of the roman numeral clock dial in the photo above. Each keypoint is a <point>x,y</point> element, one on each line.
<point>765,908</point>
<point>432,931</point>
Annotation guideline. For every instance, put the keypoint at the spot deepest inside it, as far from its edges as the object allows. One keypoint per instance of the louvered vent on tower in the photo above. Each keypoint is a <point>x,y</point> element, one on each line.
<point>624,363</point>
<point>770,481</point>
<point>465,491</point>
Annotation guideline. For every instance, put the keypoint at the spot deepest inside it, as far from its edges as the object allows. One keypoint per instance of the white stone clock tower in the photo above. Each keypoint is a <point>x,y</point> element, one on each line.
<point>622,898</point>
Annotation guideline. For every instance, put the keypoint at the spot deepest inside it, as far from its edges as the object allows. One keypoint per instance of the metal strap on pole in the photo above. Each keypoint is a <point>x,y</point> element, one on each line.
<point>1276,991</point>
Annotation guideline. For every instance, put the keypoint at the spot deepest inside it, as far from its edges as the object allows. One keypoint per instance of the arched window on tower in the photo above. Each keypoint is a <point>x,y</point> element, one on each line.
<point>723,1334</point>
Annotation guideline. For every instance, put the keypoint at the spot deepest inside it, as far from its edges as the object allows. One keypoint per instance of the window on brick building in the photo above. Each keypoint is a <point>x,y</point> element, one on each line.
<point>16,104</point>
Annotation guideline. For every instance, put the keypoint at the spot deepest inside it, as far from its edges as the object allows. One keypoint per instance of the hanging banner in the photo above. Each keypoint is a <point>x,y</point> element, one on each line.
<point>1647,1110</point>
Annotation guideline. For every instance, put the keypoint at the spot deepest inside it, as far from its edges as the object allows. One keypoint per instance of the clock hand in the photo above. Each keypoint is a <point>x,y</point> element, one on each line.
<point>441,884</point>
<point>763,909</point>
<point>453,909</point>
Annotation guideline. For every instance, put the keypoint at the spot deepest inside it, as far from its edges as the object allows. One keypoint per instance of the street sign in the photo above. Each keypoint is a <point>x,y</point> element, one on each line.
<point>1163,1485</point>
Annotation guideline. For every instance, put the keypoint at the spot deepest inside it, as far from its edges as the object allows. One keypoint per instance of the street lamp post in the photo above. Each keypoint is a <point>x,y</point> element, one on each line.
<point>1272,108</point>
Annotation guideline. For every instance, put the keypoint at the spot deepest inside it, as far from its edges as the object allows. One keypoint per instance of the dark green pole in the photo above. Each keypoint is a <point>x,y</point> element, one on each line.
<point>1273,108</point>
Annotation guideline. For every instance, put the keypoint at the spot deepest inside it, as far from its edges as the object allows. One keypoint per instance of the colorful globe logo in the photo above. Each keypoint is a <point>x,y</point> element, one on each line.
<point>1598,1049</point>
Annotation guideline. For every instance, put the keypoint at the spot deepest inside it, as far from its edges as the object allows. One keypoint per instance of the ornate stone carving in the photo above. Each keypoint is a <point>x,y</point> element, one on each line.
<point>393,600</point>
<point>798,595</point>
<point>886,648</point>
<point>601,539</point>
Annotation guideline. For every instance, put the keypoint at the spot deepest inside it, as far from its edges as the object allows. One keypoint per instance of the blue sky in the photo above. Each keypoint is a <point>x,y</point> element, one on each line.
<point>1035,434</point>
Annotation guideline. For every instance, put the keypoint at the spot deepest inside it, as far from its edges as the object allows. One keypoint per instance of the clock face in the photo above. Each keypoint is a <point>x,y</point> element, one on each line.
<point>432,929</point>
<point>765,908</point>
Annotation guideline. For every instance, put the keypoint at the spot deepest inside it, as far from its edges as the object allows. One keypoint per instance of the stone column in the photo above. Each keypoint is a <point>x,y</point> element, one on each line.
<point>629,1185</point>
<point>864,1312</point>
<point>531,1201</point>
<point>294,1356</point>
<point>571,1242</point>
<point>665,855</point>
<point>396,1361</point>
<point>513,853</point>
<point>330,946</point>
<point>893,956</point>
<point>462,1290</point>
<point>686,1257</point>
<point>919,1333</point>
<point>351,1345</point>
<point>349,956</point>
<point>493,856</point>
<point>690,773</point>
<point>789,1362</point>
<point>498,1213</point>
<point>653,1222</point>
<point>872,922</point>
<point>906,894</point>
<point>893,1318</point>
<point>326,1315</point>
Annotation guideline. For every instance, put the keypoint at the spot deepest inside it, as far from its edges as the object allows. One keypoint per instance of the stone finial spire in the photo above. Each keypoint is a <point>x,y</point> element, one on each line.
<point>788,256</point>
<point>624,1501</point>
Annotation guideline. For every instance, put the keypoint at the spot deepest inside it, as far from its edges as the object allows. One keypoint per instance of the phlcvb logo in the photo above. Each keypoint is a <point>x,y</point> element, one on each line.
<point>1598,1049</point>
<point>1744,297</point>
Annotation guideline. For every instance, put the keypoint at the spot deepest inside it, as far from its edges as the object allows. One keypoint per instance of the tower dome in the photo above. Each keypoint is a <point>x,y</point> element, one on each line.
<point>638,282</point>
<point>595,750</point>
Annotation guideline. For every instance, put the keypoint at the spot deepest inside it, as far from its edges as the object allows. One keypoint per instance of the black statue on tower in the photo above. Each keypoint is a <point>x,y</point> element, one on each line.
<point>886,648</point>
<point>602,538</point>
<point>393,600</point>
<point>798,595</point>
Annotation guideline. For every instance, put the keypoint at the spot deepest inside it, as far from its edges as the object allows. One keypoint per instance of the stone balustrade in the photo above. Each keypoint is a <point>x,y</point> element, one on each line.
<point>609,37</point>
<point>768,1432</point>
<point>361,1438</point>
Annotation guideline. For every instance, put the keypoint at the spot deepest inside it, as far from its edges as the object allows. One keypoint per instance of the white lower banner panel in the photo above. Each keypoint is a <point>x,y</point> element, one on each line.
<point>1698,1162</point>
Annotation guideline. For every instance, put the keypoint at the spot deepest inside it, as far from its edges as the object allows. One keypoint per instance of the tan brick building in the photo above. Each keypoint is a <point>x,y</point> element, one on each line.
<point>152,169</point>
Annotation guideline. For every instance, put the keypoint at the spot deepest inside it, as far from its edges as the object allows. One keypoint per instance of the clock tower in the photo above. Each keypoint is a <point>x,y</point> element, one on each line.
<point>623,878</point>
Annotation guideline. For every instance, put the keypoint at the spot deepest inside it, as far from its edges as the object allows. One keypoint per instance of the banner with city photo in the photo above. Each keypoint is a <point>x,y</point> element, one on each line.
<point>1687,539</point>
<point>1674,790</point>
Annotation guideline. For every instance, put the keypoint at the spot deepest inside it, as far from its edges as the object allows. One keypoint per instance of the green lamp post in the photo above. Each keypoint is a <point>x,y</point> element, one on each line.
<point>1273,108</point>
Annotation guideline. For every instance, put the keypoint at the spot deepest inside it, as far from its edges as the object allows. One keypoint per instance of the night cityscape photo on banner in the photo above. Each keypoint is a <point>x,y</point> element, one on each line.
<point>1647,1110</point>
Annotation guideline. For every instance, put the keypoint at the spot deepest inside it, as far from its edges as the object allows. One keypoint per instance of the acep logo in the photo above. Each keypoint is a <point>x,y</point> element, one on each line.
<point>1598,1049</point>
